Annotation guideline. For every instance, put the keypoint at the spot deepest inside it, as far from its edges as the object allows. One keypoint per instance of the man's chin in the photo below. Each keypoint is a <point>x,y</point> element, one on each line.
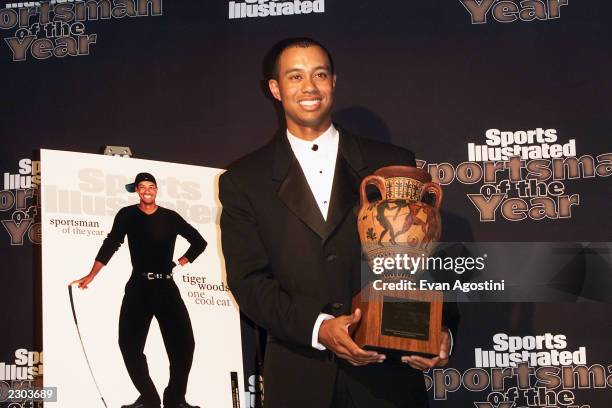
<point>314,123</point>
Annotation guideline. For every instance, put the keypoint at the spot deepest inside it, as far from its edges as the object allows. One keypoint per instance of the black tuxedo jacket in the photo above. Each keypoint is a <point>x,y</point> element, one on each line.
<point>285,264</point>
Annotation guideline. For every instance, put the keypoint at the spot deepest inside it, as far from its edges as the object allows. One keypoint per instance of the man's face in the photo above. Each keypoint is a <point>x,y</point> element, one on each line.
<point>305,87</point>
<point>147,191</point>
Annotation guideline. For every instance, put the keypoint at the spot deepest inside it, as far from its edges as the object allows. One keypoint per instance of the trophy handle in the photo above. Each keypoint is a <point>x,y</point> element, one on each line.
<point>378,181</point>
<point>435,189</point>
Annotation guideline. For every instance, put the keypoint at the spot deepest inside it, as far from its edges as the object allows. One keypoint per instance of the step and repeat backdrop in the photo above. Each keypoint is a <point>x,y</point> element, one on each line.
<point>505,103</point>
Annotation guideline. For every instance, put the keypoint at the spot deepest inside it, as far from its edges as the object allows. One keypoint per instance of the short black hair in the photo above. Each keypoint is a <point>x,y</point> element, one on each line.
<point>272,57</point>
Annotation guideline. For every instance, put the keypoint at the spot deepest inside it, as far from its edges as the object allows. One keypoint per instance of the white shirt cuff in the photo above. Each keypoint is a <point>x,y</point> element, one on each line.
<point>450,349</point>
<point>315,331</point>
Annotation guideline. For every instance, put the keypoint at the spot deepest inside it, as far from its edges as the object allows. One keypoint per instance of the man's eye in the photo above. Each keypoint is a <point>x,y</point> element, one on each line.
<point>321,75</point>
<point>295,77</point>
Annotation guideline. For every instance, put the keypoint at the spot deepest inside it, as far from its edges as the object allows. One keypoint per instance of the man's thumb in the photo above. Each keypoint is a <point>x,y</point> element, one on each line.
<point>355,317</point>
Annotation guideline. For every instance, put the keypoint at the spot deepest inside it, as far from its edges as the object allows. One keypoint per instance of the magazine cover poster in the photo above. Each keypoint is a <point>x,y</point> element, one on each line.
<point>81,197</point>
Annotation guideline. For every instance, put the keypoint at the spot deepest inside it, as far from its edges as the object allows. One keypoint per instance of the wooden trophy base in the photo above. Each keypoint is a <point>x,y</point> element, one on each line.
<point>399,322</point>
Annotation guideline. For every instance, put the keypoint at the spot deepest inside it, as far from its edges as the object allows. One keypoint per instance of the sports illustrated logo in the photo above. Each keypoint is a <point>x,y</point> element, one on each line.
<point>530,144</point>
<point>56,28</point>
<point>504,11</point>
<point>270,8</point>
<point>540,350</point>
<point>100,193</point>
<point>254,394</point>
<point>27,365</point>
<point>524,371</point>
<point>523,174</point>
<point>20,203</point>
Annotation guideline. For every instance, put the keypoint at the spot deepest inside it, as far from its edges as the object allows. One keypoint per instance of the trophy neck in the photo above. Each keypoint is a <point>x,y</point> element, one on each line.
<point>403,188</point>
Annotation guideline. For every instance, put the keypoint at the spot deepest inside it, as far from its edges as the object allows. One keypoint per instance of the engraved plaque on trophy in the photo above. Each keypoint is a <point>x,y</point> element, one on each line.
<point>408,319</point>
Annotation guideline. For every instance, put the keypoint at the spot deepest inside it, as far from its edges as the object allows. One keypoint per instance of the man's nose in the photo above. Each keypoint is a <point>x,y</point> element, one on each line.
<point>308,85</point>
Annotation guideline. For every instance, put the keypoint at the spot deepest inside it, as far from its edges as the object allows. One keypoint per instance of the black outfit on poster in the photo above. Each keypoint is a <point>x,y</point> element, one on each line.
<point>286,264</point>
<point>151,239</point>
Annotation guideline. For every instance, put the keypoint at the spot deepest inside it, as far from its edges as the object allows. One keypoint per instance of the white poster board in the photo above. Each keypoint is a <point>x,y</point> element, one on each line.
<point>80,195</point>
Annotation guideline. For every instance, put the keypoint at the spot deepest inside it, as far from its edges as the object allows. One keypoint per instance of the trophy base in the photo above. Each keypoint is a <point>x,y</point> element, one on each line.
<point>399,323</point>
<point>393,354</point>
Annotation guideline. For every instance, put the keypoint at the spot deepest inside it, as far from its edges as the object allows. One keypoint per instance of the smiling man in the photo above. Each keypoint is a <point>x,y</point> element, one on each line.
<point>292,252</point>
<point>151,291</point>
<point>304,82</point>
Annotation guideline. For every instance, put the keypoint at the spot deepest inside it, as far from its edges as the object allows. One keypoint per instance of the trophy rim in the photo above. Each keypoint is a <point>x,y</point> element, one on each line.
<point>404,171</point>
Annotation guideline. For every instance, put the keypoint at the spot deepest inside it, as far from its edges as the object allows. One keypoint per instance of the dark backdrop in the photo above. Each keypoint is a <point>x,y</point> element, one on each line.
<point>185,86</point>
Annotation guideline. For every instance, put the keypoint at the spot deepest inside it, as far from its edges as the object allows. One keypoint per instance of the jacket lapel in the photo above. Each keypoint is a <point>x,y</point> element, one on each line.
<point>294,191</point>
<point>345,189</point>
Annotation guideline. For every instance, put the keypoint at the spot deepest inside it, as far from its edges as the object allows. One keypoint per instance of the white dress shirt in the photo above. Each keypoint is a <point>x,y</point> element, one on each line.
<point>317,159</point>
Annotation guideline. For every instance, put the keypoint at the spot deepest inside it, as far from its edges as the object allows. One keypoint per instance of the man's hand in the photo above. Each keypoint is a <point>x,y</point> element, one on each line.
<point>84,281</point>
<point>334,335</point>
<point>182,261</point>
<point>423,363</point>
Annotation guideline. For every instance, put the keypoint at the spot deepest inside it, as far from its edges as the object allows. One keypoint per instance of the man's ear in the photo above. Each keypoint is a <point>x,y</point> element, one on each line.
<point>274,90</point>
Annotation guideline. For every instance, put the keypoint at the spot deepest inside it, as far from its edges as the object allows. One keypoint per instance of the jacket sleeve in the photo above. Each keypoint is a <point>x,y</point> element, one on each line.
<point>450,318</point>
<point>286,316</point>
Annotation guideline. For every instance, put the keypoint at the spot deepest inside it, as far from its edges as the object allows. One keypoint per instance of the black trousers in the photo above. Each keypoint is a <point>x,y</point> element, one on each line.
<point>143,300</point>
<point>387,385</point>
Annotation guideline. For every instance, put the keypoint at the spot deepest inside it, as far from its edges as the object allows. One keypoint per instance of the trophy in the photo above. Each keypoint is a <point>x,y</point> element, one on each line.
<point>399,322</point>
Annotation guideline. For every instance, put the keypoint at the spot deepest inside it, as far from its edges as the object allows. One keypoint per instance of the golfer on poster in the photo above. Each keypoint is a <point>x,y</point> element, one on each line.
<point>151,291</point>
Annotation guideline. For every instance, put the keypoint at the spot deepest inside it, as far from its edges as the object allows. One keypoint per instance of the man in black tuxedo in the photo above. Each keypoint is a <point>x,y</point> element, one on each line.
<point>292,252</point>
